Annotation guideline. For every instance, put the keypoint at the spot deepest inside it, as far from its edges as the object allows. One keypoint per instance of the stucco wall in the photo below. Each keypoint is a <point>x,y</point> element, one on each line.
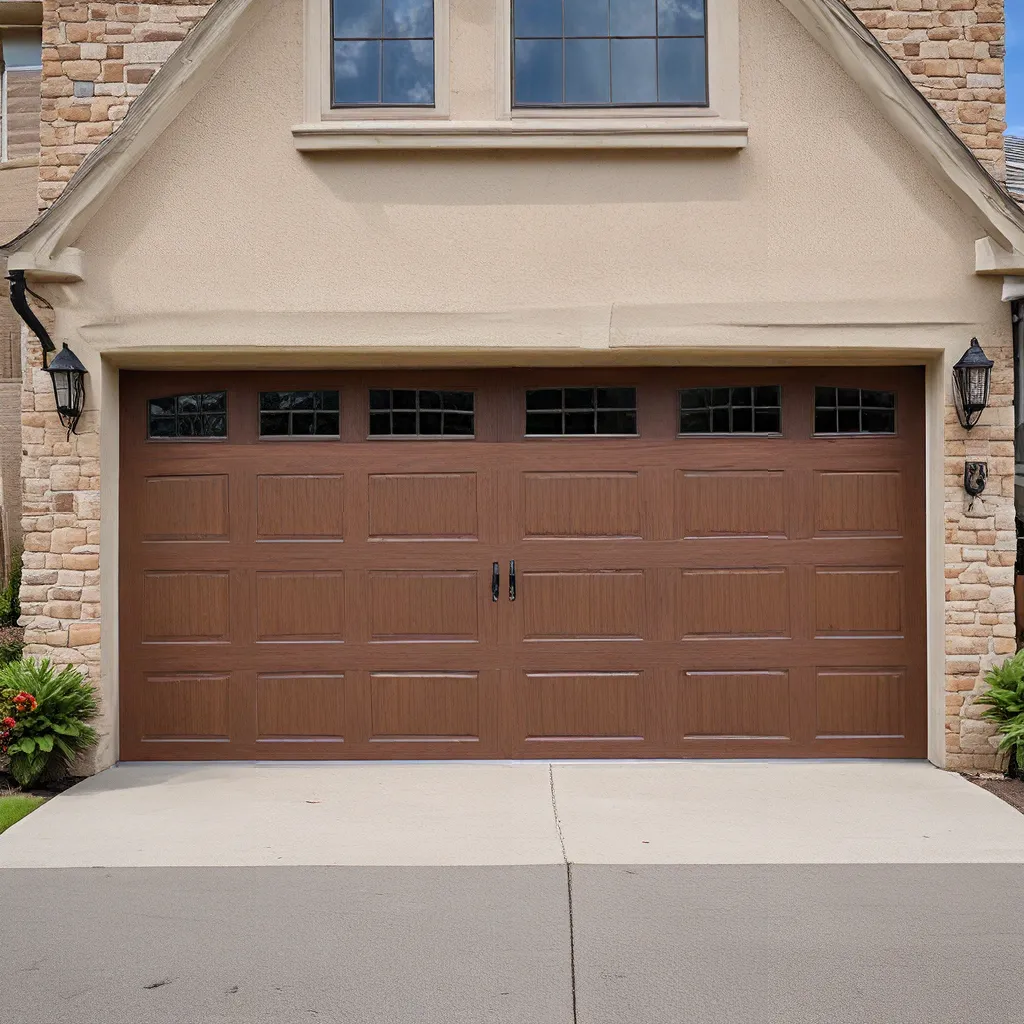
<point>825,239</point>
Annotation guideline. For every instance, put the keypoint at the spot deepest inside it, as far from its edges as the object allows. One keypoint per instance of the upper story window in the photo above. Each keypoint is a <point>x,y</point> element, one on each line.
<point>609,53</point>
<point>383,53</point>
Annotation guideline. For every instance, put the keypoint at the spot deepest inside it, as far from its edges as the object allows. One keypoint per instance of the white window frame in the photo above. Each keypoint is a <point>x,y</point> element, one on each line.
<point>318,58</point>
<point>723,70</point>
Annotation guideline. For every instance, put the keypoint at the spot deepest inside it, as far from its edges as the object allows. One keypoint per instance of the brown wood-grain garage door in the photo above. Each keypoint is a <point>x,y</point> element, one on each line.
<point>734,569</point>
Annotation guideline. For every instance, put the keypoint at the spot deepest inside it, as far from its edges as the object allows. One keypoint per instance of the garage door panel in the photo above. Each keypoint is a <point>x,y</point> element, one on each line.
<point>867,504</point>
<point>731,705</point>
<point>748,602</point>
<point>730,503</point>
<point>306,707</point>
<point>418,706</point>
<point>301,606</point>
<point>300,507</point>
<point>423,506</point>
<point>853,703</point>
<point>424,606</point>
<point>858,602</point>
<point>181,706</point>
<point>597,605</point>
<point>572,505</point>
<point>192,607</point>
<point>188,508</point>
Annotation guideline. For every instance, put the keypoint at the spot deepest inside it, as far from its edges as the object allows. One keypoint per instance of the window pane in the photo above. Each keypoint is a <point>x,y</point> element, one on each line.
<point>188,403</point>
<point>586,17</point>
<point>357,72</point>
<point>769,395</point>
<point>849,396</point>
<point>849,421</point>
<point>538,71</point>
<point>587,75</point>
<point>408,72</point>
<point>633,79</point>
<point>616,398</point>
<point>458,423</point>
<point>694,398</point>
<point>327,423</point>
<point>617,421</point>
<point>824,421</point>
<point>161,407</point>
<point>214,401</point>
<point>681,71</point>
<point>742,420</point>
<point>544,398</point>
<point>380,423</point>
<point>356,19</point>
<point>694,422</point>
<point>633,18</point>
<point>741,396</point>
<point>824,397</point>
<point>403,422</point>
<point>579,398</point>
<point>768,421</point>
<point>302,422</point>
<point>579,422</point>
<point>430,422</point>
<point>430,399</point>
<point>161,426</point>
<point>681,17</point>
<point>460,400</point>
<point>878,399</point>
<point>403,399</point>
<point>380,398</point>
<point>409,18</point>
<point>538,18</point>
<point>544,423</point>
<point>878,421</point>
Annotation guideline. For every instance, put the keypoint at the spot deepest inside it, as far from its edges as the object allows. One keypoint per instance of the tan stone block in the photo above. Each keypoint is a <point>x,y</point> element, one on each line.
<point>81,561</point>
<point>81,634</point>
<point>81,70</point>
<point>64,609</point>
<point>64,540</point>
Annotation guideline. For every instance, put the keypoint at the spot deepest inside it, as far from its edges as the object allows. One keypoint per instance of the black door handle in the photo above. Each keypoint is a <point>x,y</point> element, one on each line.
<point>512,579</point>
<point>495,581</point>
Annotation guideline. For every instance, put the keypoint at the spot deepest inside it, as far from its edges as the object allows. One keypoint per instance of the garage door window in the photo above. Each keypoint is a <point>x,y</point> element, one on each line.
<point>555,412</point>
<point>299,414</point>
<point>732,410</point>
<point>189,416</point>
<point>854,411</point>
<point>407,413</point>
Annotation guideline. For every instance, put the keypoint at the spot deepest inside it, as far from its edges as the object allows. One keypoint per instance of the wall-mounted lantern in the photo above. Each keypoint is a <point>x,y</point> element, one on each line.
<point>972,376</point>
<point>67,374</point>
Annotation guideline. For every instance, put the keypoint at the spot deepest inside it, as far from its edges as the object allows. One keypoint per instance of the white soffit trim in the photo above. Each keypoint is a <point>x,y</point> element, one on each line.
<point>1013,288</point>
<point>830,22</point>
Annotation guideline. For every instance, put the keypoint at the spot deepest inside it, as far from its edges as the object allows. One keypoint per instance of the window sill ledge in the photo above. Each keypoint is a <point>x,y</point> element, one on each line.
<point>594,133</point>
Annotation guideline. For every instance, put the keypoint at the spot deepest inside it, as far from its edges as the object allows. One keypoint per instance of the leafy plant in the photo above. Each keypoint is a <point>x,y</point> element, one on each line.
<point>45,718</point>
<point>10,605</point>
<point>1005,702</point>
<point>12,643</point>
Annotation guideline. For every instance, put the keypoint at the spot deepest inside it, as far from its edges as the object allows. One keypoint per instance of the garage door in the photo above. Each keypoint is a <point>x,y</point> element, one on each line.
<point>523,563</point>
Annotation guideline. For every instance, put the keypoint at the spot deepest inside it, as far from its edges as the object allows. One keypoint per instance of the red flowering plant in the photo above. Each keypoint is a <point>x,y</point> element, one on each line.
<point>44,718</point>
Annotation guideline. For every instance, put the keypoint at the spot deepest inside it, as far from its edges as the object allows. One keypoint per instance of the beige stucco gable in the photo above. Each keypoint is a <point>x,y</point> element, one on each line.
<point>829,224</point>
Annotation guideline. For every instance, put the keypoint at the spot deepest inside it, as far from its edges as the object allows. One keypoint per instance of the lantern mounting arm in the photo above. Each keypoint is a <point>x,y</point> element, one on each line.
<point>21,306</point>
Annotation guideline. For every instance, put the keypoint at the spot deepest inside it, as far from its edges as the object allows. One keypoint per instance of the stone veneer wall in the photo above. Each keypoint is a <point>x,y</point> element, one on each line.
<point>952,50</point>
<point>97,57</point>
<point>981,546</point>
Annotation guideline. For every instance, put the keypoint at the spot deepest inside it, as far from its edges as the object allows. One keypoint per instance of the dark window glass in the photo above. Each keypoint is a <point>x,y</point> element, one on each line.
<point>383,53</point>
<point>579,53</point>
<point>739,410</point>
<point>552,412</point>
<point>408,413</point>
<point>854,411</point>
<point>196,415</point>
<point>300,414</point>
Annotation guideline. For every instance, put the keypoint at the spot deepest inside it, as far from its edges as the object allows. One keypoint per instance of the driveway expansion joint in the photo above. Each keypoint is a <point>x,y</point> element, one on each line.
<point>568,884</point>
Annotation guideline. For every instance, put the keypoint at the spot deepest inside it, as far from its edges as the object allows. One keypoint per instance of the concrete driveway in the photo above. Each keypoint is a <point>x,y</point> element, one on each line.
<point>544,894</point>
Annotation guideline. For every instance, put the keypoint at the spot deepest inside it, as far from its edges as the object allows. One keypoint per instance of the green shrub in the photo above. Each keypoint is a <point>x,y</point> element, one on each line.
<point>1005,702</point>
<point>10,606</point>
<point>45,718</point>
<point>12,643</point>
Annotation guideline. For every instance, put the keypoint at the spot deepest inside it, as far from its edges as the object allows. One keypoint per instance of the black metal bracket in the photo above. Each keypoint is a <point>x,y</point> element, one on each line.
<point>19,287</point>
<point>495,581</point>
<point>975,477</point>
<point>512,579</point>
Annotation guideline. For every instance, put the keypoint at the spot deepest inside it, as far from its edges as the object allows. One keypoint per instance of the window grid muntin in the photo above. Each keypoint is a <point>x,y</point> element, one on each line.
<point>211,411</point>
<point>449,412</point>
<point>880,408</point>
<point>322,406</point>
<point>728,404</point>
<point>381,39</point>
<point>571,403</point>
<point>656,37</point>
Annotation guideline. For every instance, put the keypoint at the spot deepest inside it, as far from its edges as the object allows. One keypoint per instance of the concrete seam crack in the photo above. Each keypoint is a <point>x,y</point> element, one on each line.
<point>568,883</point>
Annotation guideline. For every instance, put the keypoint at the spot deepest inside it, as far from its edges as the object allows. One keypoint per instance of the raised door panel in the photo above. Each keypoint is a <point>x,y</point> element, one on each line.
<point>300,507</point>
<point>185,607</point>
<point>581,505</point>
<point>730,503</point>
<point>300,606</point>
<point>177,508</point>
<point>417,707</point>
<point>423,506</point>
<point>583,605</point>
<point>858,504</point>
<point>189,707</point>
<point>852,703</point>
<point>407,605</point>
<point>736,603</point>
<point>574,706</point>
<point>858,602</point>
<point>734,705</point>
<point>300,707</point>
